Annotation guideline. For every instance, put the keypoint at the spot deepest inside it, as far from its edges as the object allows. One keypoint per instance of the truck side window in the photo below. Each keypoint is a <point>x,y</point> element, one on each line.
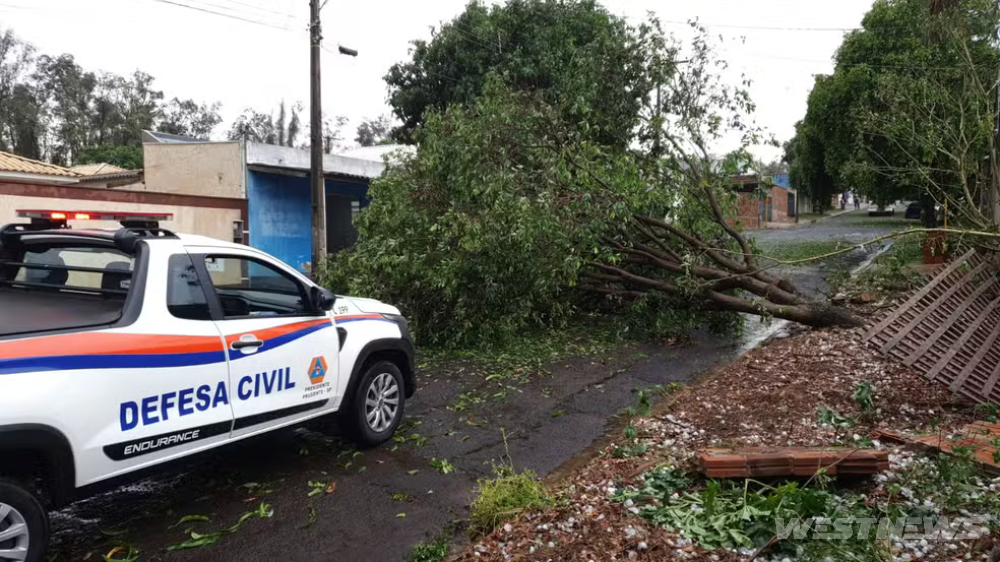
<point>249,288</point>
<point>185,296</point>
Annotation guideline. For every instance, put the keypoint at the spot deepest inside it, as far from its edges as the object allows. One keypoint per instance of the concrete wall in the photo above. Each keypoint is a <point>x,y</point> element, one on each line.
<point>212,169</point>
<point>207,217</point>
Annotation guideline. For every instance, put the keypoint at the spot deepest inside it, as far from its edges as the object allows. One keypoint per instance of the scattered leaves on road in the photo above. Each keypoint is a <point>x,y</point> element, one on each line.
<point>442,465</point>
<point>264,511</point>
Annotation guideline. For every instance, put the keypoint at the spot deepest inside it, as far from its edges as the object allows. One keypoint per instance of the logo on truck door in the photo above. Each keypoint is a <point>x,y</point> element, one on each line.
<point>317,374</point>
<point>317,370</point>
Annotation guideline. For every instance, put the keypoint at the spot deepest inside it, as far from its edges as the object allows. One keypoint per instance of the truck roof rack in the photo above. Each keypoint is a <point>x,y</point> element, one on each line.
<point>135,226</point>
<point>127,237</point>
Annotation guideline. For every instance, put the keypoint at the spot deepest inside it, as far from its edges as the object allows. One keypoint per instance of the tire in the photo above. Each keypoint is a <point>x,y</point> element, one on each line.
<point>366,423</point>
<point>19,508</point>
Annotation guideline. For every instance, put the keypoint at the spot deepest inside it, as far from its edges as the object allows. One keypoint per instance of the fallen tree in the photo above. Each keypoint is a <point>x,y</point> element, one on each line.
<point>510,217</point>
<point>733,282</point>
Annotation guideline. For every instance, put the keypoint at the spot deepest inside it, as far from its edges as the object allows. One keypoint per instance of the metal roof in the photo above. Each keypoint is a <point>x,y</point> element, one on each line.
<point>378,153</point>
<point>13,163</point>
<point>167,138</point>
<point>283,157</point>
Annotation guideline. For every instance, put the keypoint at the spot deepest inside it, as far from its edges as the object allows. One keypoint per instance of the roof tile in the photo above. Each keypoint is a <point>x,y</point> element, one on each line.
<point>18,164</point>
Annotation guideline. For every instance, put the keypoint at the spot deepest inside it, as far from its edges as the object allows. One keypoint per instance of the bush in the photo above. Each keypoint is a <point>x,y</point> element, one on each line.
<point>505,497</point>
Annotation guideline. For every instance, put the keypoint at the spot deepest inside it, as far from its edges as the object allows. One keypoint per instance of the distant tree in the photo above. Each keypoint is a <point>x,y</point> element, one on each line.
<point>577,55</point>
<point>773,168</point>
<point>18,103</point>
<point>140,108</point>
<point>53,109</point>
<point>294,125</point>
<point>254,126</point>
<point>190,119</point>
<point>257,126</point>
<point>128,157</point>
<point>807,167</point>
<point>333,134</point>
<point>374,131</point>
<point>886,122</point>
<point>66,90</point>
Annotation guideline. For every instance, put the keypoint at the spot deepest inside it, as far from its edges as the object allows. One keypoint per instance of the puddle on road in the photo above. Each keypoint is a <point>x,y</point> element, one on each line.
<point>757,331</point>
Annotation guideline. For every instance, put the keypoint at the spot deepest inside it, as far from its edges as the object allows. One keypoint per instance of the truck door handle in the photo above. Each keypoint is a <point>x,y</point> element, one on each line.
<point>246,342</point>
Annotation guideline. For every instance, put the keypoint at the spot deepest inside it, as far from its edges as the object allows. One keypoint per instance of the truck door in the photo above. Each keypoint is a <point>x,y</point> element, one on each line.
<point>162,382</point>
<point>283,363</point>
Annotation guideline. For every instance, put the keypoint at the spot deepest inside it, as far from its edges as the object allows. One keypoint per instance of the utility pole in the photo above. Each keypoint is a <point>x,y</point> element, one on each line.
<point>316,177</point>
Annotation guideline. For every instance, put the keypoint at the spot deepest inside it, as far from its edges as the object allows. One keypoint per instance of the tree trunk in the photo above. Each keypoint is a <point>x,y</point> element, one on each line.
<point>820,315</point>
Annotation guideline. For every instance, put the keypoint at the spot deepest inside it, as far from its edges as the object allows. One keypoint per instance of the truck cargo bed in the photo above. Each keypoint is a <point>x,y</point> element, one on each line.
<point>24,312</point>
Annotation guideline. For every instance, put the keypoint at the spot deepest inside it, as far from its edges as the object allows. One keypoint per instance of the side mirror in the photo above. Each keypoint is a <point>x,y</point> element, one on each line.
<point>322,299</point>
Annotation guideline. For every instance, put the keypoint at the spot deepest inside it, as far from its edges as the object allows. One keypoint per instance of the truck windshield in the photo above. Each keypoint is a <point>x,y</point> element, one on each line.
<point>55,287</point>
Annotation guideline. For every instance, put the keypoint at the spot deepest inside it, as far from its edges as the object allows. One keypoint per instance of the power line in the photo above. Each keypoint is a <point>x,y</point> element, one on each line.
<point>239,12</point>
<point>468,35</point>
<point>260,8</point>
<point>225,15</point>
<point>857,64</point>
<point>762,27</point>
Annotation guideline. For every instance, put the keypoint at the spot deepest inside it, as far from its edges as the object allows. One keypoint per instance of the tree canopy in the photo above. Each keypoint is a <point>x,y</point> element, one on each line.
<point>903,89</point>
<point>53,109</point>
<point>510,216</point>
<point>582,60</point>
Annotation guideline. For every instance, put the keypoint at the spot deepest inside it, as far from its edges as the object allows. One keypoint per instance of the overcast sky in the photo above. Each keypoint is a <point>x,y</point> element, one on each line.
<point>780,44</point>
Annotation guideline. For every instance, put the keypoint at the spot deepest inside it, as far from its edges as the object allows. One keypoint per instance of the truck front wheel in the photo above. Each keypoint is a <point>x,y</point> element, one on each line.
<point>24,525</point>
<point>377,405</point>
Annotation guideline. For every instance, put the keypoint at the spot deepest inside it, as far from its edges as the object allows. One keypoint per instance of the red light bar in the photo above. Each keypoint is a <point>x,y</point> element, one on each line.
<point>118,216</point>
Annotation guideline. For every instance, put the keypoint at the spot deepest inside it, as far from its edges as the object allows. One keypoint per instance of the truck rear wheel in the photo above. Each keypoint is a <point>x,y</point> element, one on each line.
<point>24,525</point>
<point>377,405</point>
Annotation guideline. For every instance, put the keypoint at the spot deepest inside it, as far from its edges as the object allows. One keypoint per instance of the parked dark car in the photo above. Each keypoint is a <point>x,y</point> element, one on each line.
<point>914,210</point>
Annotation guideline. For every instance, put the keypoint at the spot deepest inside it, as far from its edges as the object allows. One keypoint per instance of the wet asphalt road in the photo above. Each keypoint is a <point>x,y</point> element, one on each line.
<point>851,228</point>
<point>547,422</point>
<point>385,500</point>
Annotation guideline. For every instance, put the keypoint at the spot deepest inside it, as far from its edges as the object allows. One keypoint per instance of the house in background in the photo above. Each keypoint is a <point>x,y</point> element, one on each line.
<point>29,184</point>
<point>776,208</point>
<point>273,183</point>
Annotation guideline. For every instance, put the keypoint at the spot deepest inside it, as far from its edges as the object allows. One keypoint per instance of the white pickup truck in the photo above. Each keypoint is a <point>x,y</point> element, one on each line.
<point>122,350</point>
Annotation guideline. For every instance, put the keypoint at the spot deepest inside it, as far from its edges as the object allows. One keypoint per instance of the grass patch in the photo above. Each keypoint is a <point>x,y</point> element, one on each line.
<point>792,250</point>
<point>810,217</point>
<point>505,497</point>
<point>895,223</point>
<point>530,353</point>
<point>430,551</point>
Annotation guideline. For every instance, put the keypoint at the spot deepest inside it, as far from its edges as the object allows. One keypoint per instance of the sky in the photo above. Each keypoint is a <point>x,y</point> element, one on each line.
<point>779,44</point>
